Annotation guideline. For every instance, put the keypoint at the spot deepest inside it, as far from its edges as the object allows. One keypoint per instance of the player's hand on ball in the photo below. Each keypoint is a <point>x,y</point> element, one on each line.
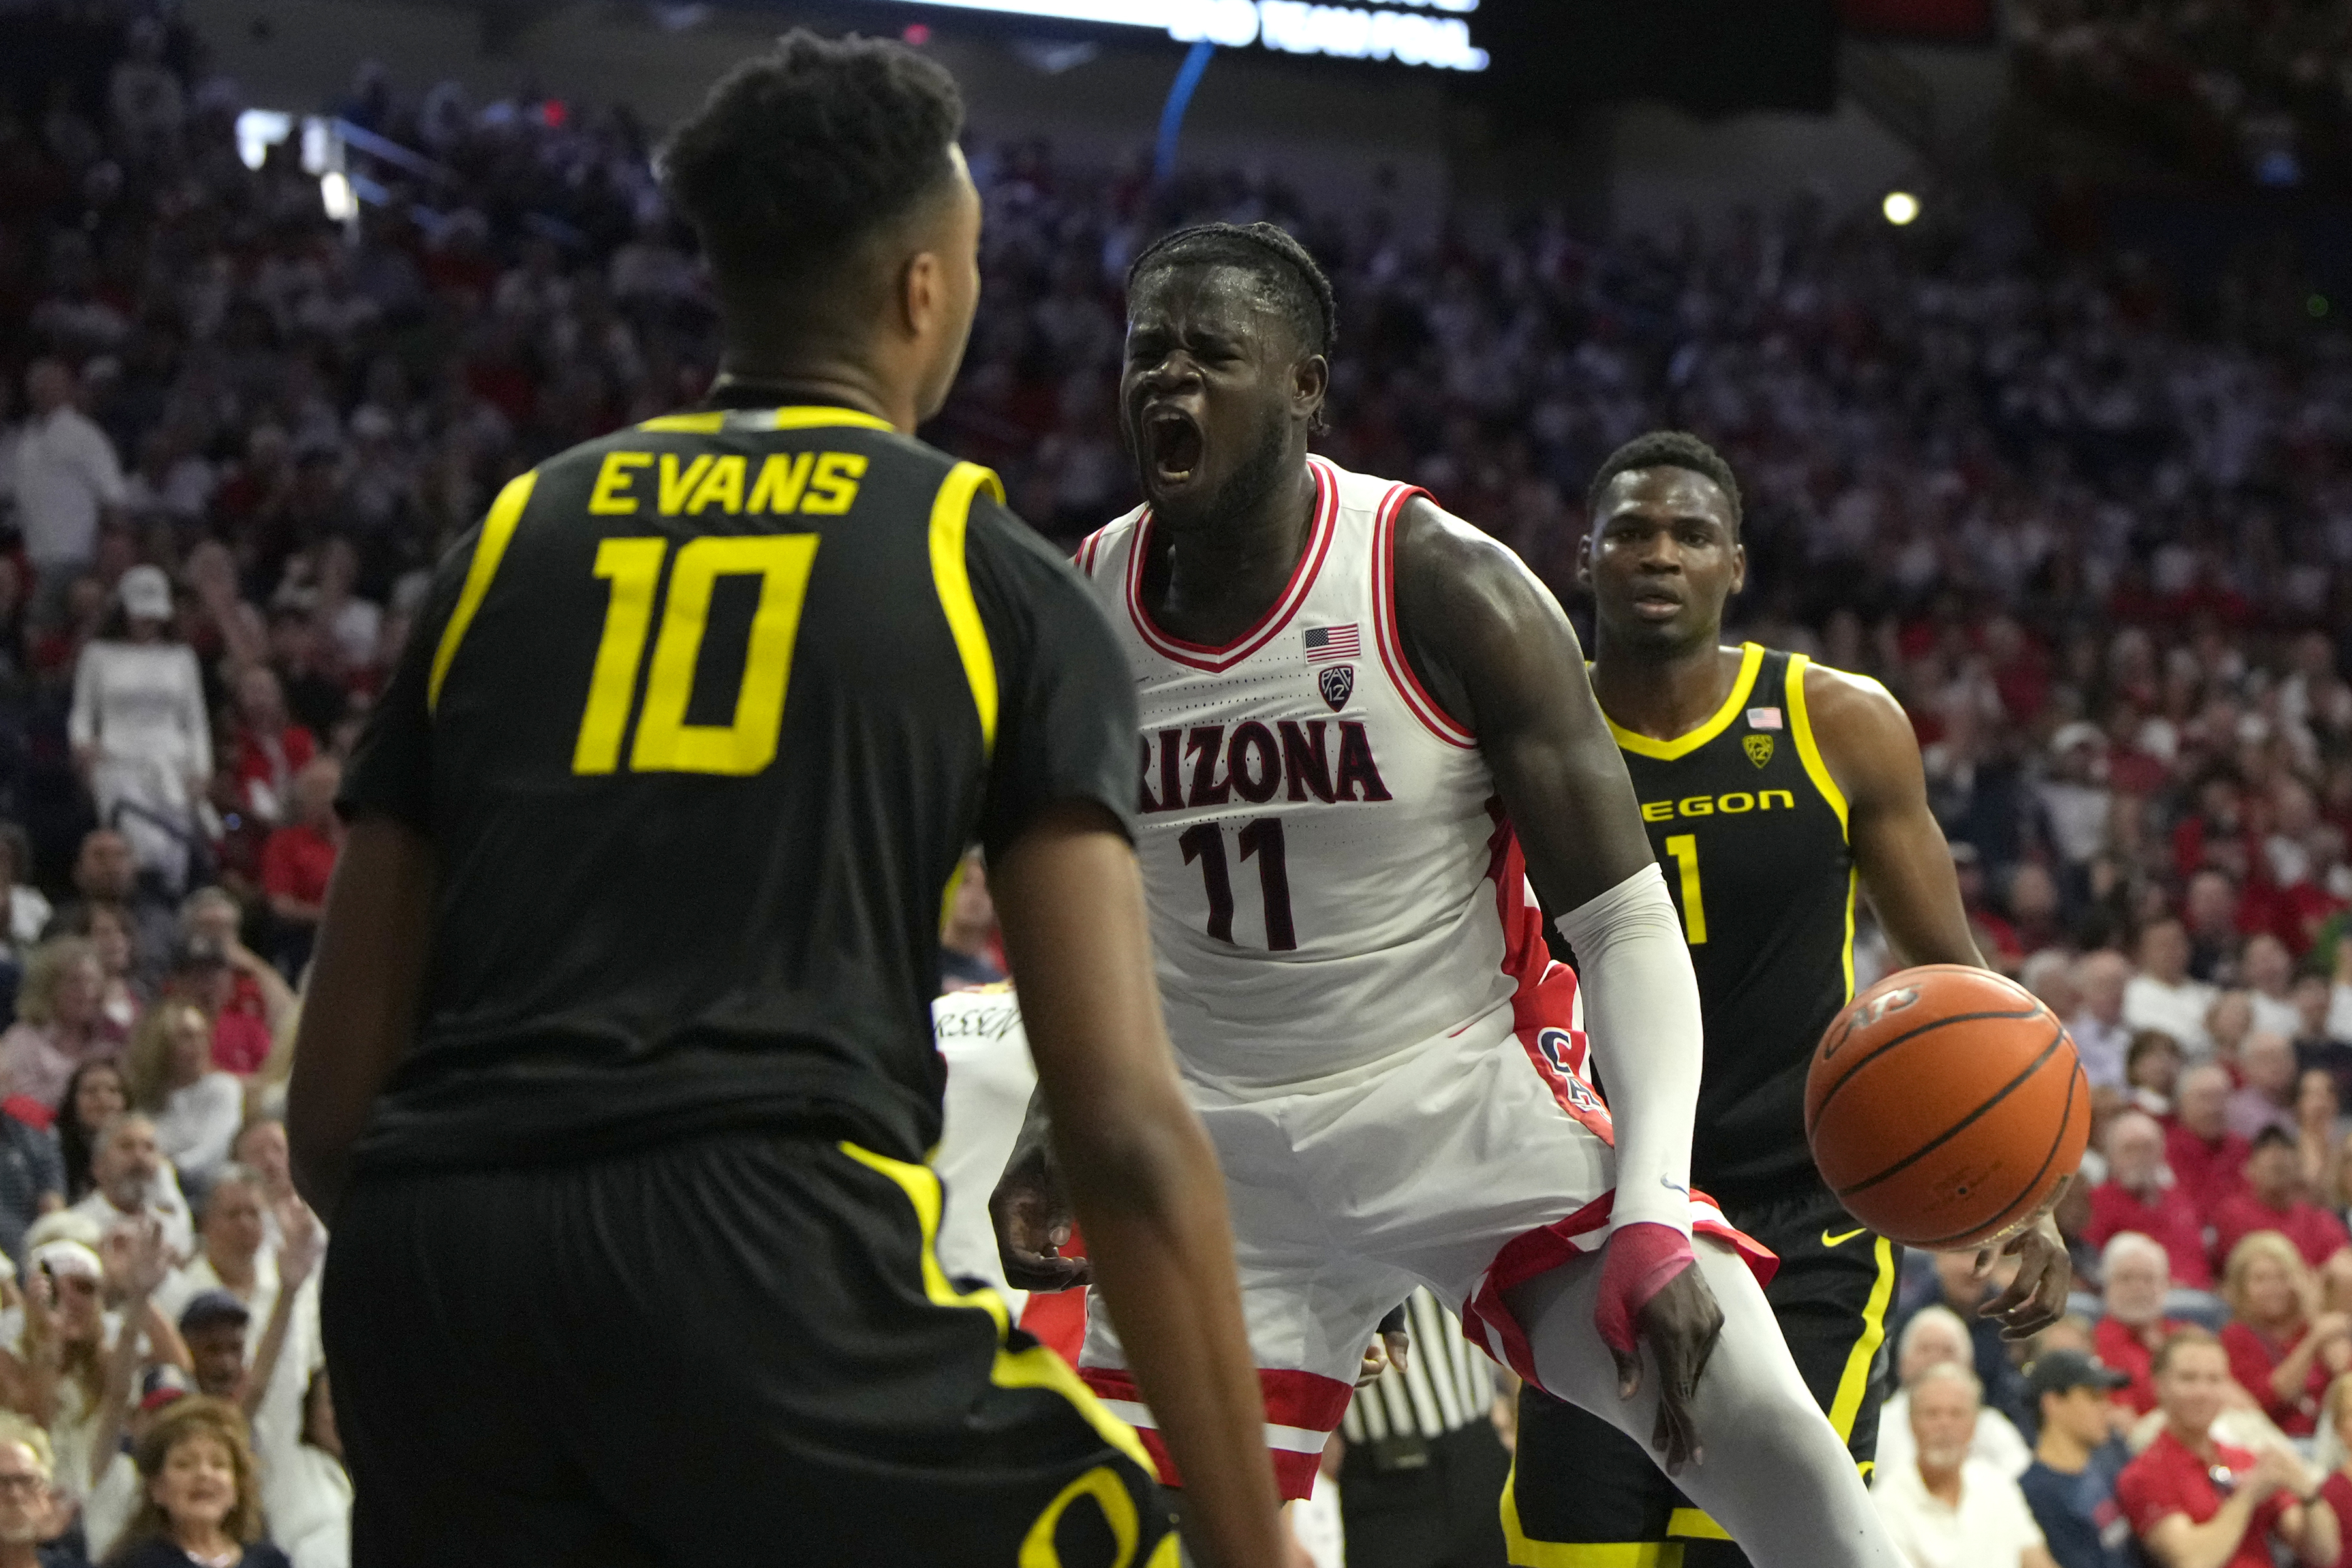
<point>1680,1326</point>
<point>2045,1274</point>
<point>1032,1218</point>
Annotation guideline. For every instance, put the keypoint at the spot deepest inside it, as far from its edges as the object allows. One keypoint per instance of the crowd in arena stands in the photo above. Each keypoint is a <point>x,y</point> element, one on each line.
<point>2232,91</point>
<point>2092,527</point>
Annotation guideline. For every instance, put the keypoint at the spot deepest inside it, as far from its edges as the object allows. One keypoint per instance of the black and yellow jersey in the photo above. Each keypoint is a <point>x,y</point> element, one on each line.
<point>1750,830</point>
<point>700,721</point>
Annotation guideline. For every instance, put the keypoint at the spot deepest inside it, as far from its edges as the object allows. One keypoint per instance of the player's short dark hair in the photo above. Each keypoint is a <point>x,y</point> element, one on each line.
<point>798,155</point>
<point>1292,281</point>
<point>1665,449</point>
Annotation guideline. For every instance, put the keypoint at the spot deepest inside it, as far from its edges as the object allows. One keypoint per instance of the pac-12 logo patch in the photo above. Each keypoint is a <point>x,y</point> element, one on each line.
<point>1337,684</point>
<point>1759,749</point>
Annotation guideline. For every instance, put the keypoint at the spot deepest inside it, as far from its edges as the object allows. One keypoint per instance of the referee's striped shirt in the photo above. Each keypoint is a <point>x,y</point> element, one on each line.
<point>1447,1383</point>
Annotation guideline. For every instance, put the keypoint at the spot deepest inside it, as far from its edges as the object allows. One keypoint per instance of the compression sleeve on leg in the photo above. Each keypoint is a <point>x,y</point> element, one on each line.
<point>1642,1017</point>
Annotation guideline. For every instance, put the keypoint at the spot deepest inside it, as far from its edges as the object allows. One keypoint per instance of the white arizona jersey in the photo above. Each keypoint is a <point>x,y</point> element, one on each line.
<point>1332,880</point>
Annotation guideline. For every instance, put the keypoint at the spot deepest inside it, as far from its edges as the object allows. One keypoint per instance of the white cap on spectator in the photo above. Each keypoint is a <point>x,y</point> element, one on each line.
<point>65,1258</point>
<point>2079,733</point>
<point>65,1225</point>
<point>146,593</point>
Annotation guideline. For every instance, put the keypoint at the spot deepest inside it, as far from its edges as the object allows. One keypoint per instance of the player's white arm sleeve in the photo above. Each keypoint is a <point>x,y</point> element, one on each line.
<point>1642,1018</point>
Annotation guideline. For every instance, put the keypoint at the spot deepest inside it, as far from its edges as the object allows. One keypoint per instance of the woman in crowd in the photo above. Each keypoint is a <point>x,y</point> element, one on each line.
<point>58,1022</point>
<point>2282,1351</point>
<point>203,1503</point>
<point>197,1108</point>
<point>120,995</point>
<point>2151,1068</point>
<point>141,732</point>
<point>2315,1142</point>
<point>85,1364</point>
<point>94,1095</point>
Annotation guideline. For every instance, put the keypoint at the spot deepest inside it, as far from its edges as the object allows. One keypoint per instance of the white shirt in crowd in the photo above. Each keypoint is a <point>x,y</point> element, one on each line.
<point>2272,1016</point>
<point>1992,1528</point>
<point>63,475</point>
<point>164,1202</point>
<point>2103,1049</point>
<point>1997,1442</point>
<point>2179,1011</point>
<point>198,1123</point>
<point>990,1079</point>
<point>142,703</point>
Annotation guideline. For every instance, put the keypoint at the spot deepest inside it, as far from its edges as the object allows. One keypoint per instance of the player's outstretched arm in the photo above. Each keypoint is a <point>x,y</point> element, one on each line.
<point>1907,868</point>
<point>1496,652</point>
<point>1139,1170</point>
<point>366,987</point>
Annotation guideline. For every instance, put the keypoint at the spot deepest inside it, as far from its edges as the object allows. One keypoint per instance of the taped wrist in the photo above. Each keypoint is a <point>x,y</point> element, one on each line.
<point>1640,1260</point>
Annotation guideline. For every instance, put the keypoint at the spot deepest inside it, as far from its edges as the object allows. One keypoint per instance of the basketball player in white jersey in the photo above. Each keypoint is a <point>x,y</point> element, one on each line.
<point>1365,729</point>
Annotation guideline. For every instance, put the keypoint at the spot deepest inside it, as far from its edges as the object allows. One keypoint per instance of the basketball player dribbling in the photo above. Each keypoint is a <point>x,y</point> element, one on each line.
<point>1366,728</point>
<point>1771,788</point>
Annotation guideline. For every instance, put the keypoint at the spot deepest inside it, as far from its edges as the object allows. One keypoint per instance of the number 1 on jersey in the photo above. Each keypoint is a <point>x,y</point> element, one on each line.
<point>1261,840</point>
<point>1684,847</point>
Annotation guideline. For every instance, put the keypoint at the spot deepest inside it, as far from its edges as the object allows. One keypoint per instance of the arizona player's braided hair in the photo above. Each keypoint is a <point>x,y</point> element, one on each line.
<point>1293,283</point>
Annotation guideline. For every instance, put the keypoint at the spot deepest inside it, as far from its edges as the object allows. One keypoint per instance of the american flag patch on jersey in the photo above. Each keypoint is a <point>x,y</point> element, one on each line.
<point>1328,643</point>
<point>1763,718</point>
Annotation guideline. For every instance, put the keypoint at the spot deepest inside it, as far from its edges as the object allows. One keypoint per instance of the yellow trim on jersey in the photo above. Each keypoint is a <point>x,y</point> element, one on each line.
<point>1035,1367</point>
<point>815,416</point>
<point>1694,1524</point>
<point>1751,659</point>
<point>951,514</point>
<point>1801,730</point>
<point>1855,1381</point>
<point>1520,1549</point>
<point>497,532</point>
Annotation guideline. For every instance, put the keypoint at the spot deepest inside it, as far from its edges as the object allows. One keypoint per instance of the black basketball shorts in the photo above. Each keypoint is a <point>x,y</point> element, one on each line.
<point>737,1350</point>
<point>1577,1482</point>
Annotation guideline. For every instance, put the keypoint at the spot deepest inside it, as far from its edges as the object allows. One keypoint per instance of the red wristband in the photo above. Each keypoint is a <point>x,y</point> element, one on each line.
<point>1640,1260</point>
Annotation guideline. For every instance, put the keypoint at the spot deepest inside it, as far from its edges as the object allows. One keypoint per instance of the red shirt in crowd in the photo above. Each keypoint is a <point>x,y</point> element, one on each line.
<point>2171,1221</point>
<point>240,1042</point>
<point>2316,1234</point>
<point>2209,1171</point>
<point>2169,1480</point>
<point>2123,1348</point>
<point>297,862</point>
<point>273,766</point>
<point>2254,1356</point>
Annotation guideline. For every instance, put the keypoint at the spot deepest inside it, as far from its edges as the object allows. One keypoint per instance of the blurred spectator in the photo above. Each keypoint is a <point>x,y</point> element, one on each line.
<point>58,1025</point>
<point>1935,1334</point>
<point>196,1107</point>
<point>2317,1142</point>
<point>115,1497</point>
<point>2134,1326</point>
<point>2162,995</point>
<point>28,907</point>
<point>131,1181</point>
<point>212,1325</point>
<point>2193,1501</point>
<point>2268,970</point>
<point>255,990</point>
<point>213,978</point>
<point>972,953</point>
<point>2282,1350</point>
<point>140,733</point>
<point>2207,1159</point>
<point>2209,916</point>
<point>96,1354</point>
<point>2141,1195</point>
<point>234,1251</point>
<point>203,1503</point>
<point>2152,1072</point>
<point>2101,1035</point>
<point>2315,1047</point>
<point>2266,1102</point>
<point>25,1495</point>
<point>300,857</point>
<point>271,748</point>
<point>261,1148</point>
<point>32,1178</point>
<point>105,871</point>
<point>1947,1509</point>
<point>2273,1201</point>
<point>2229,1020</point>
<point>121,993</point>
<point>94,1095</point>
<point>65,477</point>
<point>2071,1485</point>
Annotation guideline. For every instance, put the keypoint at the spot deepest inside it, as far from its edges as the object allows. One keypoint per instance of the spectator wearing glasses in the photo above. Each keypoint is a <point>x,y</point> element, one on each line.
<point>25,1494</point>
<point>2194,1502</point>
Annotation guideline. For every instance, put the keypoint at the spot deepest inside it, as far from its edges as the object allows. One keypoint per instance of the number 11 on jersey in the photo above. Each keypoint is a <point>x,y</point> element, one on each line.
<point>1261,839</point>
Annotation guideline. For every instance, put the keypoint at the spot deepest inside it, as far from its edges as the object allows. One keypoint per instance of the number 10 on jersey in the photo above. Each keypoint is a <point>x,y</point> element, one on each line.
<point>665,743</point>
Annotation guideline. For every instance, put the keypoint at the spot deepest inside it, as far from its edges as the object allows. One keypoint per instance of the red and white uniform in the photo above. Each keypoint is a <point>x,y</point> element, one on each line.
<point>1388,1061</point>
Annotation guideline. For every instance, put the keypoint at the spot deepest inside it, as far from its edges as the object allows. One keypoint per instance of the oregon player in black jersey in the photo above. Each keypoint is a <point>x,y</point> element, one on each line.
<point>1774,791</point>
<point>617,1078</point>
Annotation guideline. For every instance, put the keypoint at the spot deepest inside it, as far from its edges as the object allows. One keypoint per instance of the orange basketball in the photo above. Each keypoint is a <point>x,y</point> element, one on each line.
<point>1945,1105</point>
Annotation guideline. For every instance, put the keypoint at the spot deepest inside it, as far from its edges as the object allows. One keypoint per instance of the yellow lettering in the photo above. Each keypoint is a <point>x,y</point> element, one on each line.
<point>724,485</point>
<point>1696,806</point>
<point>783,478</point>
<point>676,487</point>
<point>1764,800</point>
<point>1744,802</point>
<point>835,484</point>
<point>611,496</point>
<point>665,743</point>
<point>1684,847</point>
<point>633,567</point>
<point>1657,811</point>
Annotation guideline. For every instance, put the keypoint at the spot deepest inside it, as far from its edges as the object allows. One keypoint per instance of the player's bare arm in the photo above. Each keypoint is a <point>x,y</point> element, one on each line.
<point>1138,1168</point>
<point>1496,651</point>
<point>360,1017</point>
<point>1906,867</point>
